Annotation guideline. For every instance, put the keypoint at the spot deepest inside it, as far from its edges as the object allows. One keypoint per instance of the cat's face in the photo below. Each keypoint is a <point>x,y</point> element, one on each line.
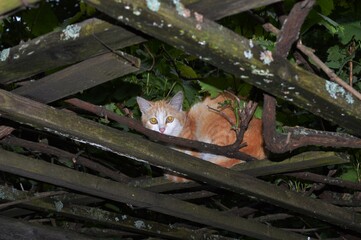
<point>162,116</point>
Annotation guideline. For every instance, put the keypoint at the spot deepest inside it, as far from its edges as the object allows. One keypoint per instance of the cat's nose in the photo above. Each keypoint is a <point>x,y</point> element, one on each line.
<point>162,129</point>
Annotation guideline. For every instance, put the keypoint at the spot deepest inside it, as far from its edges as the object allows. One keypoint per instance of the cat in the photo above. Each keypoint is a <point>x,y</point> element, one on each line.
<point>203,124</point>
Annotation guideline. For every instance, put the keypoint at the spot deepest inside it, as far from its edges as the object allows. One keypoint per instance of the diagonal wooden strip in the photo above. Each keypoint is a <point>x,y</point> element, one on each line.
<point>16,229</point>
<point>79,77</point>
<point>215,9</point>
<point>63,47</point>
<point>133,146</point>
<point>83,182</point>
<point>100,216</point>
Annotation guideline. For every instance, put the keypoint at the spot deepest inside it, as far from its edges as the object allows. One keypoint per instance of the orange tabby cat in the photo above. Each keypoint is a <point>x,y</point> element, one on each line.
<point>202,124</point>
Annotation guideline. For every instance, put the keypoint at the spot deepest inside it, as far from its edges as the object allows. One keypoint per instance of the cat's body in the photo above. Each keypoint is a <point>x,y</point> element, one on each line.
<point>203,124</point>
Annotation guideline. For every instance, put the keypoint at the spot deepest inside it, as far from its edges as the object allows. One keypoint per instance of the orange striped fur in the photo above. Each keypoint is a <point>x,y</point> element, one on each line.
<point>202,124</point>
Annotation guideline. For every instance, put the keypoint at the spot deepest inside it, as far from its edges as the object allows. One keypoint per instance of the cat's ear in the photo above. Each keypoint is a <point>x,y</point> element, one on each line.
<point>143,104</point>
<point>177,101</point>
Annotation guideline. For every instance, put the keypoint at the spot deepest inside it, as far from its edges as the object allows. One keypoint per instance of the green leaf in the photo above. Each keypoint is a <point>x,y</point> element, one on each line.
<point>40,20</point>
<point>258,112</point>
<point>352,30</point>
<point>326,6</point>
<point>350,175</point>
<point>212,90</point>
<point>186,71</point>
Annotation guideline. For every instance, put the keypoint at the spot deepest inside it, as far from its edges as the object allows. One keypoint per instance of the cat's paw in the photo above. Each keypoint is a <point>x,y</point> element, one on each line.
<point>176,179</point>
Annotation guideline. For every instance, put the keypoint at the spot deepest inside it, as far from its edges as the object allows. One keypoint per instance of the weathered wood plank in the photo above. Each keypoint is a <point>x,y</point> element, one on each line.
<point>225,49</point>
<point>79,77</point>
<point>63,47</point>
<point>75,211</point>
<point>126,144</point>
<point>215,9</point>
<point>83,182</point>
<point>21,230</point>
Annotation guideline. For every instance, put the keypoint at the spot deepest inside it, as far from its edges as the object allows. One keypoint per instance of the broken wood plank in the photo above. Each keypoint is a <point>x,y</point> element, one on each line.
<point>213,43</point>
<point>79,77</point>
<point>21,230</point>
<point>99,216</point>
<point>63,47</point>
<point>87,183</point>
<point>215,9</point>
<point>67,124</point>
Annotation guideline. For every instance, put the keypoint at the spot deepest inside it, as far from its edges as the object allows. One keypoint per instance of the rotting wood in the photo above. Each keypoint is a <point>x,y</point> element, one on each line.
<point>126,144</point>
<point>79,77</point>
<point>125,222</point>
<point>215,9</point>
<point>237,55</point>
<point>21,230</point>
<point>42,171</point>
<point>63,47</point>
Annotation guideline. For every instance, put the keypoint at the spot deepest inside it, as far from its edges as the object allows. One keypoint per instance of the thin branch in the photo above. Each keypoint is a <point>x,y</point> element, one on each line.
<point>330,73</point>
<point>37,196</point>
<point>291,28</point>
<point>325,179</point>
<point>310,53</point>
<point>297,137</point>
<point>155,136</point>
<point>11,140</point>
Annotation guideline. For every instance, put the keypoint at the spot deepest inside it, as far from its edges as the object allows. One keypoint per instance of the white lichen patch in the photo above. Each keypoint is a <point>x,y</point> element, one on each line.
<point>336,91</point>
<point>124,217</point>
<point>30,53</point>
<point>267,80</point>
<point>70,32</point>
<point>153,5</point>
<point>139,224</point>
<point>137,12</point>
<point>251,45</point>
<point>262,72</point>
<point>248,54</point>
<point>58,206</point>
<point>266,57</point>
<point>16,56</point>
<point>23,46</point>
<point>4,54</point>
<point>202,43</point>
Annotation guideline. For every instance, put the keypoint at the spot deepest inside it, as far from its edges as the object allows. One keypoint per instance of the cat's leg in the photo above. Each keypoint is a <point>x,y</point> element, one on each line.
<point>178,179</point>
<point>220,160</point>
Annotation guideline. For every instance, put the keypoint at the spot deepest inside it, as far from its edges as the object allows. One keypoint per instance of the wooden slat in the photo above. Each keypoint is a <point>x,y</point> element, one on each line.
<point>216,9</point>
<point>73,44</point>
<point>43,171</point>
<point>79,77</point>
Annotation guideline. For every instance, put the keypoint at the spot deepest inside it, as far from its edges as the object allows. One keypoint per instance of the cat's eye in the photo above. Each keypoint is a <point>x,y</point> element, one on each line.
<point>170,119</point>
<point>153,121</point>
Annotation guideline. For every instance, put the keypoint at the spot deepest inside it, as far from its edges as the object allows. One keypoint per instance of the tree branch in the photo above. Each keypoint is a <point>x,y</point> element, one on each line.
<point>155,136</point>
<point>291,28</point>
<point>299,137</point>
